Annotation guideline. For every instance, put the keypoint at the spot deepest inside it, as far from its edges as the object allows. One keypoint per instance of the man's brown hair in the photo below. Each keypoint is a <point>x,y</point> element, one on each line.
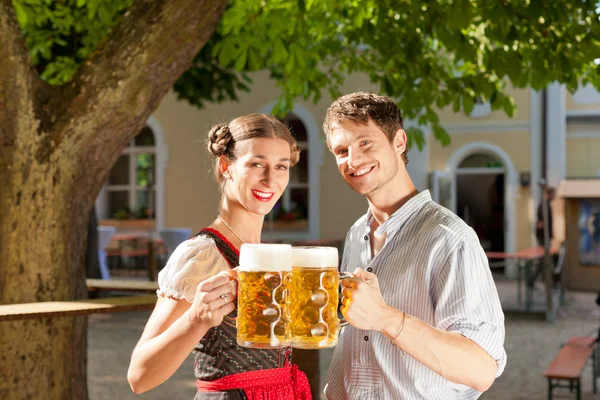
<point>360,107</point>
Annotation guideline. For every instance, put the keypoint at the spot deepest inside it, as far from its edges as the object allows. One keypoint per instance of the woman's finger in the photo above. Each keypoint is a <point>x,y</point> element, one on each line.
<point>220,302</point>
<point>227,290</point>
<point>214,281</point>
<point>224,310</point>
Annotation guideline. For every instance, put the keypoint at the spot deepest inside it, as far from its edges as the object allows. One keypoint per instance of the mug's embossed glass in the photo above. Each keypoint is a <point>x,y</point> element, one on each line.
<point>264,277</point>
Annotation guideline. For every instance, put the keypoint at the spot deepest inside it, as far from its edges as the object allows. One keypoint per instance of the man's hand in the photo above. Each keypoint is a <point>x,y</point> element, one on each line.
<point>362,304</point>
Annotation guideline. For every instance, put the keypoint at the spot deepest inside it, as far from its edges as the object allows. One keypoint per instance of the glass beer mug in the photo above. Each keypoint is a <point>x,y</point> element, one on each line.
<point>263,315</point>
<point>315,297</point>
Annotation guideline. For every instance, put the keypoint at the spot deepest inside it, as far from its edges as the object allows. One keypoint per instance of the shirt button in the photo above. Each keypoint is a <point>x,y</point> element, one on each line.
<point>366,237</point>
<point>370,269</point>
<point>366,338</point>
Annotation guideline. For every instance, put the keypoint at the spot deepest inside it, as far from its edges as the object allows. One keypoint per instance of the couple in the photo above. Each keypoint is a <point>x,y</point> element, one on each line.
<point>426,321</point>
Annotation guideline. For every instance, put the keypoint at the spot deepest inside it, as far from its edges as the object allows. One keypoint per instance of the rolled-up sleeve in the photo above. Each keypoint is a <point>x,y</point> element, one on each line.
<point>466,300</point>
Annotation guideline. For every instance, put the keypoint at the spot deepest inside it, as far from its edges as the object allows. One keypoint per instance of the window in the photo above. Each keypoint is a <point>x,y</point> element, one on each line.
<point>291,213</point>
<point>130,189</point>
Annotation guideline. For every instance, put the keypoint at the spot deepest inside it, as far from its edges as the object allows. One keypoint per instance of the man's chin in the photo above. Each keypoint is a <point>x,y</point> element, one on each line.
<point>360,189</point>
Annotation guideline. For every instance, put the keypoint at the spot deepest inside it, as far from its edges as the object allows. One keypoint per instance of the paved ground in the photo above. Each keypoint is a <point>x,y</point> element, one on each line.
<point>531,343</point>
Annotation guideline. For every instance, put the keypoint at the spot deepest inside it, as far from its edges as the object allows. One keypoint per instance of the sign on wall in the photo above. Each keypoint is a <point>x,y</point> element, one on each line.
<point>589,232</point>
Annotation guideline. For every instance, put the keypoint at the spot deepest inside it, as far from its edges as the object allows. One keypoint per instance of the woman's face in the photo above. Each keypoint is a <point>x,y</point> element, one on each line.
<point>259,176</point>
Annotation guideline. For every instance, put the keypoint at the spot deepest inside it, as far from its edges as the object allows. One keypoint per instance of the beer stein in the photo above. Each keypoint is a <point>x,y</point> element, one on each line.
<point>315,297</point>
<point>263,314</point>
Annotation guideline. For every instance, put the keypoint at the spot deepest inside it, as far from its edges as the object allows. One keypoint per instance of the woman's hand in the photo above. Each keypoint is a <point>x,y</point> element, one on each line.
<point>214,299</point>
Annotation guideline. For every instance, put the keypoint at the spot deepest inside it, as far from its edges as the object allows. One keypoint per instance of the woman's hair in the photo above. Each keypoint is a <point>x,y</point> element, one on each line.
<point>228,139</point>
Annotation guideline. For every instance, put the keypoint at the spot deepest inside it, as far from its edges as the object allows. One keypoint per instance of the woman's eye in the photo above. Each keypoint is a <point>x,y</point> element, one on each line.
<point>342,151</point>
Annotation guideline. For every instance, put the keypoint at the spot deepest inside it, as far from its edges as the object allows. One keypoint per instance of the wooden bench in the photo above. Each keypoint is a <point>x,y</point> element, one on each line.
<point>589,341</point>
<point>50,309</point>
<point>568,366</point>
<point>121,285</point>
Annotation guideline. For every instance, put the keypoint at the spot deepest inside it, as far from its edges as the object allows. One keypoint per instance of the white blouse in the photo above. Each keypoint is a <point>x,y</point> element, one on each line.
<point>192,262</point>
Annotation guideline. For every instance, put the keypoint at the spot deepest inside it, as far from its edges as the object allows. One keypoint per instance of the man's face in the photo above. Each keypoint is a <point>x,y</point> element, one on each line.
<point>365,158</point>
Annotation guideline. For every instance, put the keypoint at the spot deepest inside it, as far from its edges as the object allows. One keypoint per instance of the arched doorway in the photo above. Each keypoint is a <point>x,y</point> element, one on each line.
<point>480,185</point>
<point>475,166</point>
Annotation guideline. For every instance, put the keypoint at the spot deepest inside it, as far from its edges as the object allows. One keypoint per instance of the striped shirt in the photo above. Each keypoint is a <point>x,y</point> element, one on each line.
<point>432,267</point>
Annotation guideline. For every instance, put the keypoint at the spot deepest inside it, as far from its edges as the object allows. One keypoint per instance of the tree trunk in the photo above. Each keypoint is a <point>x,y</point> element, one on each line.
<point>43,244</point>
<point>57,146</point>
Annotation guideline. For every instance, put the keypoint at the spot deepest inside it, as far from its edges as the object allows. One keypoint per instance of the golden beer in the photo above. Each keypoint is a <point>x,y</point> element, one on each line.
<point>264,278</point>
<point>315,297</point>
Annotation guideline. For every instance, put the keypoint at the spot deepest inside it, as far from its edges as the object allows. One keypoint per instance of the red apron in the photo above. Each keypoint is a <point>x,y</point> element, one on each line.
<point>287,383</point>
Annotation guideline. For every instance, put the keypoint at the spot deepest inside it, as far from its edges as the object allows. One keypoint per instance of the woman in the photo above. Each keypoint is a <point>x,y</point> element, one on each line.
<point>254,154</point>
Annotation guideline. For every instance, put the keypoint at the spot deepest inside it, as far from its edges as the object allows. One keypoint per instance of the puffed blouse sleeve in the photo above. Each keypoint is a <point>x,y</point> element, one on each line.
<point>193,261</point>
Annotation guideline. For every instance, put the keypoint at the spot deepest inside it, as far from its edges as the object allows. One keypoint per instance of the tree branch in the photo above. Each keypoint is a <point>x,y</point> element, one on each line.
<point>114,93</point>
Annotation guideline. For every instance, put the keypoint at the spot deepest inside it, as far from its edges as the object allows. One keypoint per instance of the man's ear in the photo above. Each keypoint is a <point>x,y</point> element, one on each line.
<point>400,142</point>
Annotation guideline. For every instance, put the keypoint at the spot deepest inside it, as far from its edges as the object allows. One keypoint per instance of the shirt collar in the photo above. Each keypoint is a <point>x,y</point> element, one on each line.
<point>401,215</point>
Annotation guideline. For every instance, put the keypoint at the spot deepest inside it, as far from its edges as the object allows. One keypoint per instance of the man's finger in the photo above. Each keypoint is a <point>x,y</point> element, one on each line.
<point>364,275</point>
<point>347,292</point>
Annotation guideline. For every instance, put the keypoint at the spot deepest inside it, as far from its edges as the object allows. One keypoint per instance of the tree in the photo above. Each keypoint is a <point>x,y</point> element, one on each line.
<point>79,78</point>
<point>57,144</point>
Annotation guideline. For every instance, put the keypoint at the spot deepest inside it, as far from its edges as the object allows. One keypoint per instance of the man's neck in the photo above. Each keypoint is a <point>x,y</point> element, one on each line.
<point>388,199</point>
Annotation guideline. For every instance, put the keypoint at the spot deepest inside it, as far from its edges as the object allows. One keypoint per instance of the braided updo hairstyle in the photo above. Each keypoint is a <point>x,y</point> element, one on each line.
<point>228,139</point>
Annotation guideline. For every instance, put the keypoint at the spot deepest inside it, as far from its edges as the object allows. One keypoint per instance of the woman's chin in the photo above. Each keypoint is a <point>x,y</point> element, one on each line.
<point>260,209</point>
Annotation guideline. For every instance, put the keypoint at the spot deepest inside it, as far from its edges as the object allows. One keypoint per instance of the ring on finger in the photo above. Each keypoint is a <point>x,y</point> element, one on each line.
<point>224,297</point>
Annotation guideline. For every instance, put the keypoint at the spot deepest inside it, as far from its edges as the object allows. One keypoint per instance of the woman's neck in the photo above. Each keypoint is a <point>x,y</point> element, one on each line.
<point>238,224</point>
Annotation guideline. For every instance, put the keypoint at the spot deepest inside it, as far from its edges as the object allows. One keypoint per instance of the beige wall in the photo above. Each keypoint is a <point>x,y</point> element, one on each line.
<point>572,105</point>
<point>522,99</point>
<point>517,146</point>
<point>583,157</point>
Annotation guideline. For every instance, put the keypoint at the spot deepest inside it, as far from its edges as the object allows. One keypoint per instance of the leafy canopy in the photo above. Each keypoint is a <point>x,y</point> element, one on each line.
<point>425,54</point>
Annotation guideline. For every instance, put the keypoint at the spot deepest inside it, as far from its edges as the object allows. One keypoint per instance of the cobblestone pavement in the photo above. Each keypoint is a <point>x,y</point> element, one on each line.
<point>531,343</point>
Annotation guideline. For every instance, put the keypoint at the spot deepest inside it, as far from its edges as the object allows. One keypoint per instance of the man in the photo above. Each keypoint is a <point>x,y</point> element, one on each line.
<point>425,314</point>
<point>549,196</point>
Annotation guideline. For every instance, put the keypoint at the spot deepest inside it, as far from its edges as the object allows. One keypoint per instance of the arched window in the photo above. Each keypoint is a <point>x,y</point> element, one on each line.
<point>130,191</point>
<point>291,213</point>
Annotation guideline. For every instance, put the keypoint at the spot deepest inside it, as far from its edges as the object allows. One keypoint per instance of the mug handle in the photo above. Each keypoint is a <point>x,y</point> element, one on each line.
<point>343,275</point>
<point>229,320</point>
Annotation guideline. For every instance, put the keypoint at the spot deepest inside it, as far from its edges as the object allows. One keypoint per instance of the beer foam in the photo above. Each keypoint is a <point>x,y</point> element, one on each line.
<point>315,257</point>
<point>266,257</point>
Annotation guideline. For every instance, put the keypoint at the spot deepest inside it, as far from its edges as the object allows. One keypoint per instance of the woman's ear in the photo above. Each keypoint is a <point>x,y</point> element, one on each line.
<point>224,164</point>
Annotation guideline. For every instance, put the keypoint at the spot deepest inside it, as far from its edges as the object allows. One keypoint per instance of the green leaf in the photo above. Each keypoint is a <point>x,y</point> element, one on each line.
<point>255,63</point>
<point>22,17</point>
<point>240,63</point>
<point>415,138</point>
<point>509,106</point>
<point>441,135</point>
<point>227,53</point>
<point>468,104</point>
